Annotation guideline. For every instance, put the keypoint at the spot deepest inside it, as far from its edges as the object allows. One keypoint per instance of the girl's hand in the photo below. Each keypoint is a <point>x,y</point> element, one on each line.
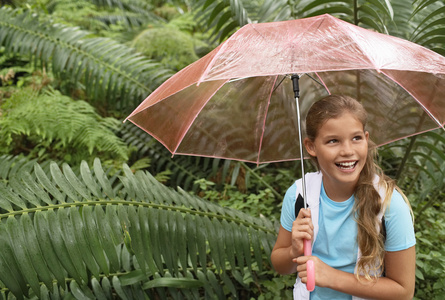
<point>302,228</point>
<point>322,270</point>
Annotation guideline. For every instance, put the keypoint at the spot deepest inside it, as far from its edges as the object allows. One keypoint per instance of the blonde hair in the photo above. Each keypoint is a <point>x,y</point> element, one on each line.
<point>368,204</point>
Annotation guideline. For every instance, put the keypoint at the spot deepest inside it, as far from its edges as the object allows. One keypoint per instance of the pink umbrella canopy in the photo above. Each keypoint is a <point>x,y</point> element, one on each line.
<point>237,102</point>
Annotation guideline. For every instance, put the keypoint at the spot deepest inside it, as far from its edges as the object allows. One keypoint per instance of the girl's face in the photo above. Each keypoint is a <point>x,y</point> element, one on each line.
<point>341,148</point>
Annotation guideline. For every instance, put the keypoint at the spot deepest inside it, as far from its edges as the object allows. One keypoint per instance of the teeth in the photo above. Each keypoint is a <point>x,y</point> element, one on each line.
<point>346,165</point>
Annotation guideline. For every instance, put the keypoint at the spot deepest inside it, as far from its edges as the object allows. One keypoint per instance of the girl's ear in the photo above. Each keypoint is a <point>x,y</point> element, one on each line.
<point>367,135</point>
<point>310,147</point>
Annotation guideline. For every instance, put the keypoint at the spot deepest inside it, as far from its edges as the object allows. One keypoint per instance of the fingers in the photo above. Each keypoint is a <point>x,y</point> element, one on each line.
<point>302,271</point>
<point>303,276</point>
<point>302,227</point>
<point>304,213</point>
<point>302,267</point>
<point>301,261</point>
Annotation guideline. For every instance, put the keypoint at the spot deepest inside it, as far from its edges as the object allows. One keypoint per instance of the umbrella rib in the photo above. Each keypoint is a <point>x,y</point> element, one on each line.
<point>265,118</point>
<point>321,83</point>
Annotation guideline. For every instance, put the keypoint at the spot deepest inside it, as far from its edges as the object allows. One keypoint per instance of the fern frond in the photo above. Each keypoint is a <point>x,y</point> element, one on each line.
<point>374,14</point>
<point>55,121</point>
<point>11,165</point>
<point>128,13</point>
<point>88,233</point>
<point>110,71</point>
<point>185,170</point>
<point>223,17</point>
<point>431,27</point>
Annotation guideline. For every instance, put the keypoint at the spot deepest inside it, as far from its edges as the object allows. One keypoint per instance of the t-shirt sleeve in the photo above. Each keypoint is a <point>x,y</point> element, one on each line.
<point>288,208</point>
<point>399,225</point>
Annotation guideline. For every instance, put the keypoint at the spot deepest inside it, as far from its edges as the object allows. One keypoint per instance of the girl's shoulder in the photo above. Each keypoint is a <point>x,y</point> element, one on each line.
<point>397,204</point>
<point>399,224</point>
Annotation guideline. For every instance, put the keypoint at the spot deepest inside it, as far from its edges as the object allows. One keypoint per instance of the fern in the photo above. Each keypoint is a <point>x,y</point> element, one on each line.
<point>90,235</point>
<point>101,14</point>
<point>109,71</point>
<point>223,17</point>
<point>418,166</point>
<point>41,124</point>
<point>430,29</point>
<point>182,170</point>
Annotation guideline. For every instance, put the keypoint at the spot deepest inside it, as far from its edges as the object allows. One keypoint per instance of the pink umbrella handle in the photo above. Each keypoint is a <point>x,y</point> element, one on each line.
<point>310,285</point>
<point>307,249</point>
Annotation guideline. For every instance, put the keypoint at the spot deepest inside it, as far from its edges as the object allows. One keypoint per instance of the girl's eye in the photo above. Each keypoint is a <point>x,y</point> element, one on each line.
<point>357,138</point>
<point>332,141</point>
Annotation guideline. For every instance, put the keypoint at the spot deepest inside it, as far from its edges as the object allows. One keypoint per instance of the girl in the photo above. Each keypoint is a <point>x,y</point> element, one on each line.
<point>358,220</point>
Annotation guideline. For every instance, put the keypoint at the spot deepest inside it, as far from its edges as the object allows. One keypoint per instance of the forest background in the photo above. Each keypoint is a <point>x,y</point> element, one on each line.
<point>93,208</point>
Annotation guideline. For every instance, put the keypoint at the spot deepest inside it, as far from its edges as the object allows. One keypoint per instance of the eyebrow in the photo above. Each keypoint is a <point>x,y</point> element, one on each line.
<point>334,136</point>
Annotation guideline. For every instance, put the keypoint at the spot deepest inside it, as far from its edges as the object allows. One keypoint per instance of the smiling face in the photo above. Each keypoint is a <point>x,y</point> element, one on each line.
<point>341,148</point>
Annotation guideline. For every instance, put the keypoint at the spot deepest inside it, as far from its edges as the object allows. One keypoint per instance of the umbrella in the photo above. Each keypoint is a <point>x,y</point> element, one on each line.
<point>238,103</point>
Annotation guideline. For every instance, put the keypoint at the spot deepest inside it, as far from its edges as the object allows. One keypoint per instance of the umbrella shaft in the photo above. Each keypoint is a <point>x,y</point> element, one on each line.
<point>296,87</point>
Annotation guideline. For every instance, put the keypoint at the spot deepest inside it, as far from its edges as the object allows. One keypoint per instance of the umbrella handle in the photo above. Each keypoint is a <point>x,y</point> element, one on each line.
<point>310,268</point>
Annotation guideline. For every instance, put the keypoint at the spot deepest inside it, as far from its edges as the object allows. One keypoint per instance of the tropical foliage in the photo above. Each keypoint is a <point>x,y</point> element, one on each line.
<point>97,234</point>
<point>90,207</point>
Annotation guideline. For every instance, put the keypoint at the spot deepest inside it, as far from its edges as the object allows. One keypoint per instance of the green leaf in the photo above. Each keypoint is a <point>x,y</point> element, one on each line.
<point>103,180</point>
<point>419,274</point>
<point>106,287</point>
<point>72,179</point>
<point>132,277</point>
<point>10,274</point>
<point>201,239</point>
<point>118,288</point>
<point>145,235</point>
<point>12,198</point>
<point>4,202</point>
<point>47,184</point>
<point>384,6</point>
<point>136,239</point>
<point>181,242</point>
<point>23,260</point>
<point>229,243</point>
<point>179,283</point>
<point>192,241</point>
<point>46,245</point>
<point>255,241</point>
<point>31,183</point>
<point>98,291</point>
<point>107,238</point>
<point>22,190</point>
<point>93,239</point>
<point>34,252</point>
<point>80,293</point>
<point>60,179</point>
<point>70,244</point>
<point>79,232</point>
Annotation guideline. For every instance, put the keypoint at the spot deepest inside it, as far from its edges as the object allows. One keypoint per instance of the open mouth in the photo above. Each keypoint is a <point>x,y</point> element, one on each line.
<point>347,165</point>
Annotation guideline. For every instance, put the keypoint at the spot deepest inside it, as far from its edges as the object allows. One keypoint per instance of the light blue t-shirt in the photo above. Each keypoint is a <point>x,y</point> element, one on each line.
<point>336,243</point>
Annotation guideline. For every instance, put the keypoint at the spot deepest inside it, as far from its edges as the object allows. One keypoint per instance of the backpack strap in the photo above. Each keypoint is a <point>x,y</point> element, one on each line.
<point>383,231</point>
<point>299,204</point>
<point>383,228</point>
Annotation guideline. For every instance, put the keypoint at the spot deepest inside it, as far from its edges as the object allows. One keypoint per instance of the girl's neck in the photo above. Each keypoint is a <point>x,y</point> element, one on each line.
<point>339,192</point>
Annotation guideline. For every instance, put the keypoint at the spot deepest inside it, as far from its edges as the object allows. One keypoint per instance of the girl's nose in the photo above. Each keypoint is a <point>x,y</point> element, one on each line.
<point>346,149</point>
